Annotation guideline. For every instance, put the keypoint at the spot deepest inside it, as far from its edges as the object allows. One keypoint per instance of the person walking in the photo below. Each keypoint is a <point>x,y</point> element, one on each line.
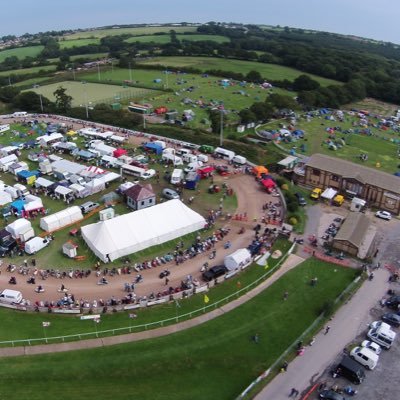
<point>327,329</point>
<point>294,392</point>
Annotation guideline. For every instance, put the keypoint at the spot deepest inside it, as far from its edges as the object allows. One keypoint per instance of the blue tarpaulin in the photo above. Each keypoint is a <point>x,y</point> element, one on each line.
<point>18,205</point>
<point>153,147</point>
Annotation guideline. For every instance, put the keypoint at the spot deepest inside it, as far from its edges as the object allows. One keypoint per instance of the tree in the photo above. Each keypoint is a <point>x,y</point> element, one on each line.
<point>7,93</point>
<point>304,82</point>
<point>30,101</point>
<point>254,76</point>
<point>247,116</point>
<point>63,101</point>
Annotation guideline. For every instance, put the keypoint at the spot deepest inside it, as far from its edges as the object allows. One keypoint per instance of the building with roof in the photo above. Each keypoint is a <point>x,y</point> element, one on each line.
<point>378,188</point>
<point>356,236</point>
<point>139,197</point>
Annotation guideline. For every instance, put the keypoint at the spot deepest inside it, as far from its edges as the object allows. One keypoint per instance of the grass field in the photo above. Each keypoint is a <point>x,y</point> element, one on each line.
<point>25,71</point>
<point>268,71</point>
<point>374,106</point>
<point>380,146</point>
<point>21,52</point>
<point>215,360</point>
<point>67,44</point>
<point>32,81</point>
<point>100,33</point>
<point>162,39</point>
<point>93,92</point>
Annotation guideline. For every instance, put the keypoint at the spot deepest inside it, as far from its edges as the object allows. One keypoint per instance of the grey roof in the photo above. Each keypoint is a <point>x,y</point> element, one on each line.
<point>347,169</point>
<point>354,228</point>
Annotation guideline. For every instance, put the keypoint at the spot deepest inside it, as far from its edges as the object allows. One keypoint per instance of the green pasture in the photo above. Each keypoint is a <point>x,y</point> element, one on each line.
<point>25,71</point>
<point>381,146</point>
<point>374,106</point>
<point>268,71</point>
<point>194,363</point>
<point>21,52</point>
<point>92,93</point>
<point>32,81</point>
<point>67,44</point>
<point>146,30</point>
<point>163,39</point>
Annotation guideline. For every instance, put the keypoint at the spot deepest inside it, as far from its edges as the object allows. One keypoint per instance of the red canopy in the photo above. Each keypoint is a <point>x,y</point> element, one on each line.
<point>119,152</point>
<point>268,184</point>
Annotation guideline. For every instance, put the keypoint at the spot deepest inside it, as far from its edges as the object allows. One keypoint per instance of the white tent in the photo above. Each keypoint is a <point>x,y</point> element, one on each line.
<point>329,194</point>
<point>95,185</point>
<point>43,182</point>
<point>19,226</point>
<point>35,244</point>
<point>239,259</point>
<point>60,219</point>
<point>78,189</point>
<point>138,230</point>
<point>62,191</point>
<point>5,198</point>
<point>8,159</point>
<point>33,205</point>
<point>46,139</point>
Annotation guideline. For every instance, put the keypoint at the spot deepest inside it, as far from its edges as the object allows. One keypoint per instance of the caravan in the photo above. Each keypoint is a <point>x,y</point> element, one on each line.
<point>10,296</point>
<point>224,153</point>
<point>177,176</point>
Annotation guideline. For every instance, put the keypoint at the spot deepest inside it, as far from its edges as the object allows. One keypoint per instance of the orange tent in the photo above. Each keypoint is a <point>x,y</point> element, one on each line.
<point>259,170</point>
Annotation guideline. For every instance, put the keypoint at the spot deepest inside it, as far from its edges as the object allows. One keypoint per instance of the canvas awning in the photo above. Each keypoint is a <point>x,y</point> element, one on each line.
<point>329,194</point>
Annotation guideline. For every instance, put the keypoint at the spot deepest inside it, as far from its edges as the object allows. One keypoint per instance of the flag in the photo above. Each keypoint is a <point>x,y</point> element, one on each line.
<point>45,324</point>
<point>206,299</point>
<point>177,304</point>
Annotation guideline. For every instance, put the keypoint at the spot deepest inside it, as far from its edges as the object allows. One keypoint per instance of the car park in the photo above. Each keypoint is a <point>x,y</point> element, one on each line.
<point>170,194</point>
<point>384,215</point>
<point>392,319</point>
<point>300,199</point>
<point>331,395</point>
<point>214,272</point>
<point>372,346</point>
<point>366,357</point>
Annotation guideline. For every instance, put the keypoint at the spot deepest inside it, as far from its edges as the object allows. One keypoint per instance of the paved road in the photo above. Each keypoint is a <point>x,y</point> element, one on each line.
<point>349,322</point>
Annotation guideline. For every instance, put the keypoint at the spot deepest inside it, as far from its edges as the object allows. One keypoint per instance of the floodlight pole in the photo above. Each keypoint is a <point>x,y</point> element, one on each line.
<point>130,72</point>
<point>221,128</point>
<point>86,105</point>
<point>98,71</point>
<point>73,70</point>
<point>41,102</point>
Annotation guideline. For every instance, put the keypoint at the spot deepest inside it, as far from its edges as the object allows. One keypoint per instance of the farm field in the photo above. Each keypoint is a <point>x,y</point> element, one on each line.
<point>380,145</point>
<point>32,81</point>
<point>190,91</point>
<point>162,39</point>
<point>21,52</point>
<point>25,71</point>
<point>67,44</point>
<point>206,353</point>
<point>268,71</point>
<point>93,93</point>
<point>150,30</point>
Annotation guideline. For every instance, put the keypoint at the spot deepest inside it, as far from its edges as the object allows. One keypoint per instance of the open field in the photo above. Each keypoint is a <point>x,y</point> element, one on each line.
<point>32,81</point>
<point>93,93</point>
<point>25,71</point>
<point>196,361</point>
<point>268,71</point>
<point>21,52</point>
<point>374,106</point>
<point>162,39</point>
<point>67,44</point>
<point>150,30</point>
<point>380,145</point>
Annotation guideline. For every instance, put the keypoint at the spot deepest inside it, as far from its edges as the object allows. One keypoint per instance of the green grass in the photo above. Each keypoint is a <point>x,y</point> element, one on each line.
<point>95,92</point>
<point>381,146</point>
<point>25,71</point>
<point>67,44</point>
<point>32,81</point>
<point>21,52</point>
<point>100,33</point>
<point>196,361</point>
<point>163,39</point>
<point>268,71</point>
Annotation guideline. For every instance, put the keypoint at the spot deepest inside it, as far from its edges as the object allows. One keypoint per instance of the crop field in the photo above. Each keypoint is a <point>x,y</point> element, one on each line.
<point>92,93</point>
<point>162,39</point>
<point>268,71</point>
<point>25,71</point>
<point>196,361</point>
<point>67,44</point>
<point>21,52</point>
<point>150,30</point>
<point>380,145</point>
<point>190,91</point>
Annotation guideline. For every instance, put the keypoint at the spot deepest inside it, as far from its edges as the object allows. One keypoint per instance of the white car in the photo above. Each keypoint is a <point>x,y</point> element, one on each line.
<point>379,324</point>
<point>384,215</point>
<point>372,346</point>
<point>148,174</point>
<point>366,357</point>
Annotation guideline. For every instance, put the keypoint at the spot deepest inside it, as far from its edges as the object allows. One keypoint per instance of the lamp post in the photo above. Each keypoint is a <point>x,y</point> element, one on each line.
<point>86,104</point>
<point>221,127</point>
<point>98,72</point>
<point>130,72</point>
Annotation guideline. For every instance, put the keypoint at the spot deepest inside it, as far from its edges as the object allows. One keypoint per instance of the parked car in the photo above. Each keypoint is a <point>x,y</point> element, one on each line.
<point>393,302</point>
<point>366,357</point>
<point>331,395</point>
<point>214,272</point>
<point>372,346</point>
<point>170,194</point>
<point>384,215</point>
<point>89,206</point>
<point>379,324</point>
<point>300,199</point>
<point>7,246</point>
<point>392,319</point>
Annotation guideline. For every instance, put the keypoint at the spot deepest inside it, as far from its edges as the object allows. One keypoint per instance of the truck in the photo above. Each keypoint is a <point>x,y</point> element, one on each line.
<point>316,193</point>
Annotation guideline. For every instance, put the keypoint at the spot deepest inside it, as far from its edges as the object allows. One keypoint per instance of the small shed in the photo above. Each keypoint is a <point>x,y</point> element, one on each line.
<point>238,259</point>
<point>70,249</point>
<point>139,197</point>
<point>289,162</point>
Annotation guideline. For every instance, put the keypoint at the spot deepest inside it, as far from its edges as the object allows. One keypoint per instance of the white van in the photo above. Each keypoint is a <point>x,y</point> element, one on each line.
<point>203,158</point>
<point>36,244</point>
<point>149,174</point>
<point>224,153</point>
<point>194,166</point>
<point>173,158</point>
<point>239,160</point>
<point>366,357</point>
<point>10,296</point>
<point>19,114</point>
<point>189,158</point>
<point>182,152</point>
<point>177,176</point>
<point>382,335</point>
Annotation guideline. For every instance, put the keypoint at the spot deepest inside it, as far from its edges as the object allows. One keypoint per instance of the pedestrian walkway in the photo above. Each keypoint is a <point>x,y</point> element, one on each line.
<point>350,321</point>
<point>291,262</point>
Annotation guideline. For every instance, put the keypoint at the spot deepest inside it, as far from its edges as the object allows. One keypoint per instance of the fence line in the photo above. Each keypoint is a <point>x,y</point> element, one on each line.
<point>128,329</point>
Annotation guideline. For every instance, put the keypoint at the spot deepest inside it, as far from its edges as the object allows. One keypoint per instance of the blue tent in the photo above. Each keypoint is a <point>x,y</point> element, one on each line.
<point>153,147</point>
<point>24,174</point>
<point>18,205</point>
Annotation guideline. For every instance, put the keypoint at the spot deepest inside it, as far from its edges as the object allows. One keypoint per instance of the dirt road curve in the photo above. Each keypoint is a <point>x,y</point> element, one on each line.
<point>250,198</point>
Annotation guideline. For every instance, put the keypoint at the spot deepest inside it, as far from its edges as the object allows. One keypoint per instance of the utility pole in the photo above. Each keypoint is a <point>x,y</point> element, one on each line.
<point>98,71</point>
<point>130,72</point>
<point>221,128</point>
<point>86,105</point>
<point>41,102</point>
